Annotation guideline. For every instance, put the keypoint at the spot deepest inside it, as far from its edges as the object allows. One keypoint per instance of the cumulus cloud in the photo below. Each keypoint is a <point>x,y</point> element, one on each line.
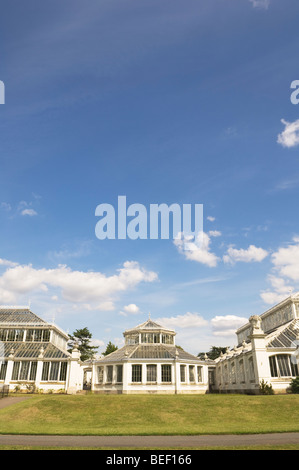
<point>226,325</point>
<point>6,262</point>
<point>285,273</point>
<point>131,309</point>
<point>94,290</point>
<point>252,253</point>
<point>30,212</point>
<point>188,320</point>
<point>290,136</point>
<point>198,250</point>
<point>286,260</point>
<point>261,4</point>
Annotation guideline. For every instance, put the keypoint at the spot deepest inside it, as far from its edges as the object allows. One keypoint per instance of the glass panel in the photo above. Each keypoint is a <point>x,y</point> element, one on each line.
<point>3,334</point>
<point>54,371</point>
<point>30,335</point>
<point>191,374</point>
<point>283,365</point>
<point>46,336</point>
<point>119,374</point>
<point>136,373</point>
<point>294,368</point>
<point>38,335</point>
<point>199,374</point>
<point>11,335</point>
<point>166,373</point>
<point>100,374</point>
<point>273,367</point>
<point>109,373</point>
<point>151,373</point>
<point>19,335</point>
<point>3,368</point>
<point>33,371</point>
<point>15,371</point>
<point>45,373</point>
<point>167,339</point>
<point>147,338</point>
<point>63,370</point>
<point>24,370</point>
<point>183,373</point>
<point>132,339</point>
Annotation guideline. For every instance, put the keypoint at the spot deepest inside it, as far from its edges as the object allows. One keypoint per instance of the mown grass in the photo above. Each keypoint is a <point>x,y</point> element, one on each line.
<point>151,415</point>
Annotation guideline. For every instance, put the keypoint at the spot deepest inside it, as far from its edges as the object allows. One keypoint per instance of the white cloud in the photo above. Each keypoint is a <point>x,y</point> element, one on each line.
<point>210,218</point>
<point>286,260</point>
<point>198,250</point>
<point>131,309</point>
<point>6,262</point>
<point>290,136</point>
<point>94,290</point>
<point>227,325</point>
<point>285,270</point>
<point>262,4</point>
<point>252,253</point>
<point>188,320</point>
<point>214,233</point>
<point>30,212</point>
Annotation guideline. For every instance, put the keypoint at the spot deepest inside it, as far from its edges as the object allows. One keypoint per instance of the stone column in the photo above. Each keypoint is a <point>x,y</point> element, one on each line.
<point>75,382</point>
<point>9,368</point>
<point>39,368</point>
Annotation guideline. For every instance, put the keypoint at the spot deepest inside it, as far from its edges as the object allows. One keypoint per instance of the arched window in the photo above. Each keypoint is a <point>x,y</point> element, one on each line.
<point>283,365</point>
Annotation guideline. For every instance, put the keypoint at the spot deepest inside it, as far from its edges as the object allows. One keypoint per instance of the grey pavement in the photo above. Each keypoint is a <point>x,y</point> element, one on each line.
<point>151,442</point>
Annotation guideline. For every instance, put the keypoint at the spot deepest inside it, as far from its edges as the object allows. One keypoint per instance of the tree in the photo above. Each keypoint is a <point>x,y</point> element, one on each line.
<point>110,348</point>
<point>295,385</point>
<point>214,352</point>
<point>82,337</point>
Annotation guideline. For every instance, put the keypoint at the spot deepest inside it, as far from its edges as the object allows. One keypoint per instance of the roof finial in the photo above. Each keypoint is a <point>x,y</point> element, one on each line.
<point>149,315</point>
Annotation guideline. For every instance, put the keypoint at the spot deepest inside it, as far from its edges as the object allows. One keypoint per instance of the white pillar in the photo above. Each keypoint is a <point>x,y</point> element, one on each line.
<point>9,368</point>
<point>75,373</point>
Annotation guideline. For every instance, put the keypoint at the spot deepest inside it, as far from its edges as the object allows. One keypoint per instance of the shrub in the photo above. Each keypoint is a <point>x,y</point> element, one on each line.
<point>294,386</point>
<point>266,389</point>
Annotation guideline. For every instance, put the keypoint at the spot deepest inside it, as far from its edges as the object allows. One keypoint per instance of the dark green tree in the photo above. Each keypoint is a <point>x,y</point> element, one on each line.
<point>109,349</point>
<point>82,337</point>
<point>214,352</point>
<point>294,386</point>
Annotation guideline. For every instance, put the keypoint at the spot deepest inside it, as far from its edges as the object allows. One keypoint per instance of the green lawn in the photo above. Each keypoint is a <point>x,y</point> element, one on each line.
<point>149,415</point>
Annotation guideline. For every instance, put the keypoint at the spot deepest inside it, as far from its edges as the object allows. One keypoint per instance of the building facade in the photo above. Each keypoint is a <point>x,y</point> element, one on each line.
<point>150,362</point>
<point>34,355</point>
<point>266,351</point>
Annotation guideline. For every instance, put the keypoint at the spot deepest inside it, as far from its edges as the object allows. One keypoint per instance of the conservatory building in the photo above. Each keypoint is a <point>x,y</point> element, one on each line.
<point>33,354</point>
<point>267,351</point>
<point>150,362</point>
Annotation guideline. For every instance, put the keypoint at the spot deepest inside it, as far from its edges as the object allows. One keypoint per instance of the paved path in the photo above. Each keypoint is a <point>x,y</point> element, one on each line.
<point>7,401</point>
<point>151,442</point>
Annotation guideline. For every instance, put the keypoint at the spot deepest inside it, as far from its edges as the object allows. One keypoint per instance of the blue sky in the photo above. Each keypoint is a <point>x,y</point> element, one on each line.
<point>163,102</point>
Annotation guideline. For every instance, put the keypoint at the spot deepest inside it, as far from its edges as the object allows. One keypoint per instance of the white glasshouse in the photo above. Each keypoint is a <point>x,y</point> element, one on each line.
<point>33,354</point>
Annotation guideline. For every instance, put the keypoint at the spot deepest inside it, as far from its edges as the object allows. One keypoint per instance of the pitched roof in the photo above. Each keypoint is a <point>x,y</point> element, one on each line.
<point>19,316</point>
<point>153,351</point>
<point>149,325</point>
<point>284,336</point>
<point>23,350</point>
